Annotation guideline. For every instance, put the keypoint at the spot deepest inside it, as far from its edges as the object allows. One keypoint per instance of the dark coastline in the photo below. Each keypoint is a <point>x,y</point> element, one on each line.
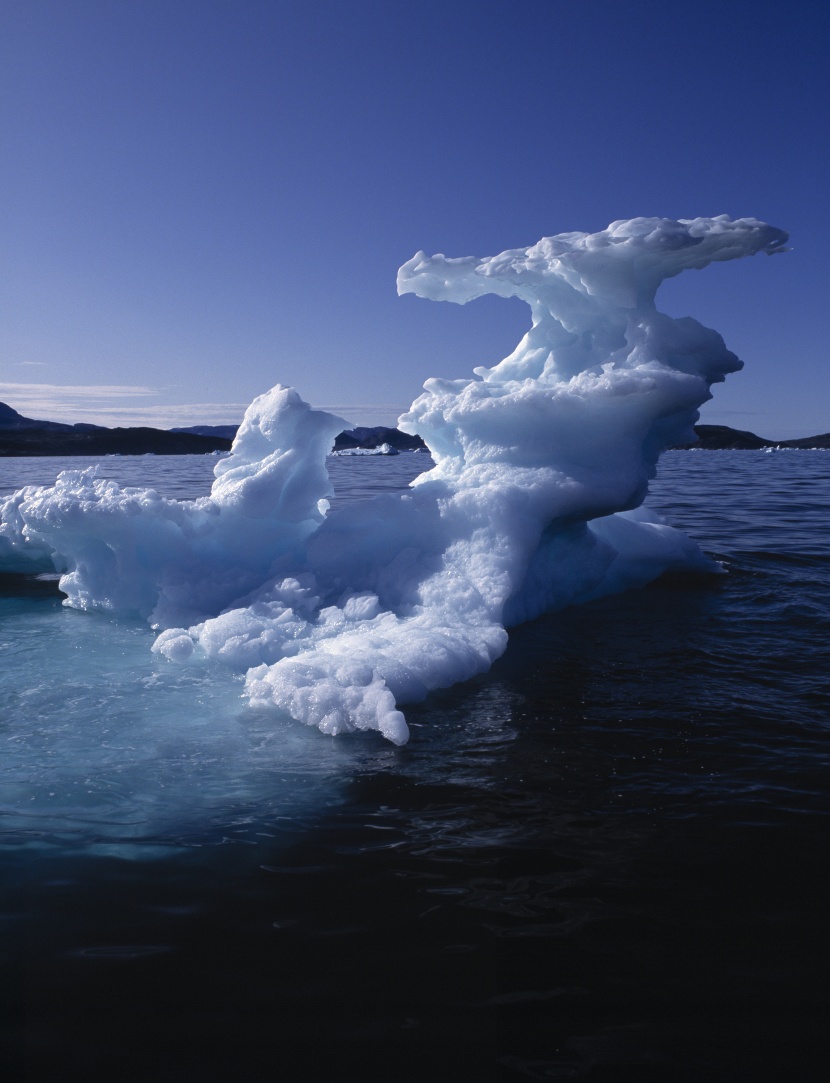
<point>98,442</point>
<point>146,441</point>
<point>27,436</point>
<point>724,438</point>
<point>24,436</point>
<point>50,438</point>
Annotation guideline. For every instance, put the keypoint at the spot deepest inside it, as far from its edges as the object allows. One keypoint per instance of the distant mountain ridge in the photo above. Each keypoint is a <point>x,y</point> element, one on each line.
<point>11,419</point>
<point>224,432</point>
<point>21,435</point>
<point>724,438</point>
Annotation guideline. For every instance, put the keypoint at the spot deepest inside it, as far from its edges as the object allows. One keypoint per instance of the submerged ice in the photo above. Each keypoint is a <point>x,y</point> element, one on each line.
<point>542,463</point>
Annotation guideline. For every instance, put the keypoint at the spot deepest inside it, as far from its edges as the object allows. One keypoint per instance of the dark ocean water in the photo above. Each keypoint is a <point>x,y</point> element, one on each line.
<point>604,860</point>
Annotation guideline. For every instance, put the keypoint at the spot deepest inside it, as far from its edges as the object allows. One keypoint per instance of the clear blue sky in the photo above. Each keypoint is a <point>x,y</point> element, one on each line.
<point>202,198</point>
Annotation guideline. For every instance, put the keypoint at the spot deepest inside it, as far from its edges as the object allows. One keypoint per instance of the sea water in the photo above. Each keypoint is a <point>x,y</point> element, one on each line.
<point>601,860</point>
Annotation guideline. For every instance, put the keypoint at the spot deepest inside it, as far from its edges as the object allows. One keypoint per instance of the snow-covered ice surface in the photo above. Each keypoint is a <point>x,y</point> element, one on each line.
<point>542,464</point>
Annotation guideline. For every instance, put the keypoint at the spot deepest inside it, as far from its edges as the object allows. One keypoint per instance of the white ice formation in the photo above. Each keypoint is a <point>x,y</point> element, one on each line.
<point>541,467</point>
<point>382,449</point>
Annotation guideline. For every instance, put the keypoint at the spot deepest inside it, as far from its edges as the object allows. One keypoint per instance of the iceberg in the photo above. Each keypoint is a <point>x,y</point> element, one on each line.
<point>542,463</point>
<point>381,449</point>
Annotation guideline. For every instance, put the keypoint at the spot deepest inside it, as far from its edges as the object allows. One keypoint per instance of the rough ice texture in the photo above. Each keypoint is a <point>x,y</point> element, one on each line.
<point>541,467</point>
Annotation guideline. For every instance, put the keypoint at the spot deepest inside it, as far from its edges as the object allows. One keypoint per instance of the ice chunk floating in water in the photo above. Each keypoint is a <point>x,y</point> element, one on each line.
<point>541,467</point>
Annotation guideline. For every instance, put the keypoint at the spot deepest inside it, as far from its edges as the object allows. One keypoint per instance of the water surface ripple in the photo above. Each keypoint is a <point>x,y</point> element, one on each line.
<point>603,860</point>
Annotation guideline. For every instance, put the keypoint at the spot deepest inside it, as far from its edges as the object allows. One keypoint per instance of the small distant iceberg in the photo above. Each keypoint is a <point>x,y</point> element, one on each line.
<point>384,449</point>
<point>377,437</point>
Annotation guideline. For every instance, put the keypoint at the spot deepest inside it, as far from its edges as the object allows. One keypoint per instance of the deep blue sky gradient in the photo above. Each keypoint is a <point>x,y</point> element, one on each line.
<point>202,198</point>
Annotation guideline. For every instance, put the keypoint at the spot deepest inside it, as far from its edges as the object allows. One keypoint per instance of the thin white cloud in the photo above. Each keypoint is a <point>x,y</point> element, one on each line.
<point>81,392</point>
<point>112,405</point>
